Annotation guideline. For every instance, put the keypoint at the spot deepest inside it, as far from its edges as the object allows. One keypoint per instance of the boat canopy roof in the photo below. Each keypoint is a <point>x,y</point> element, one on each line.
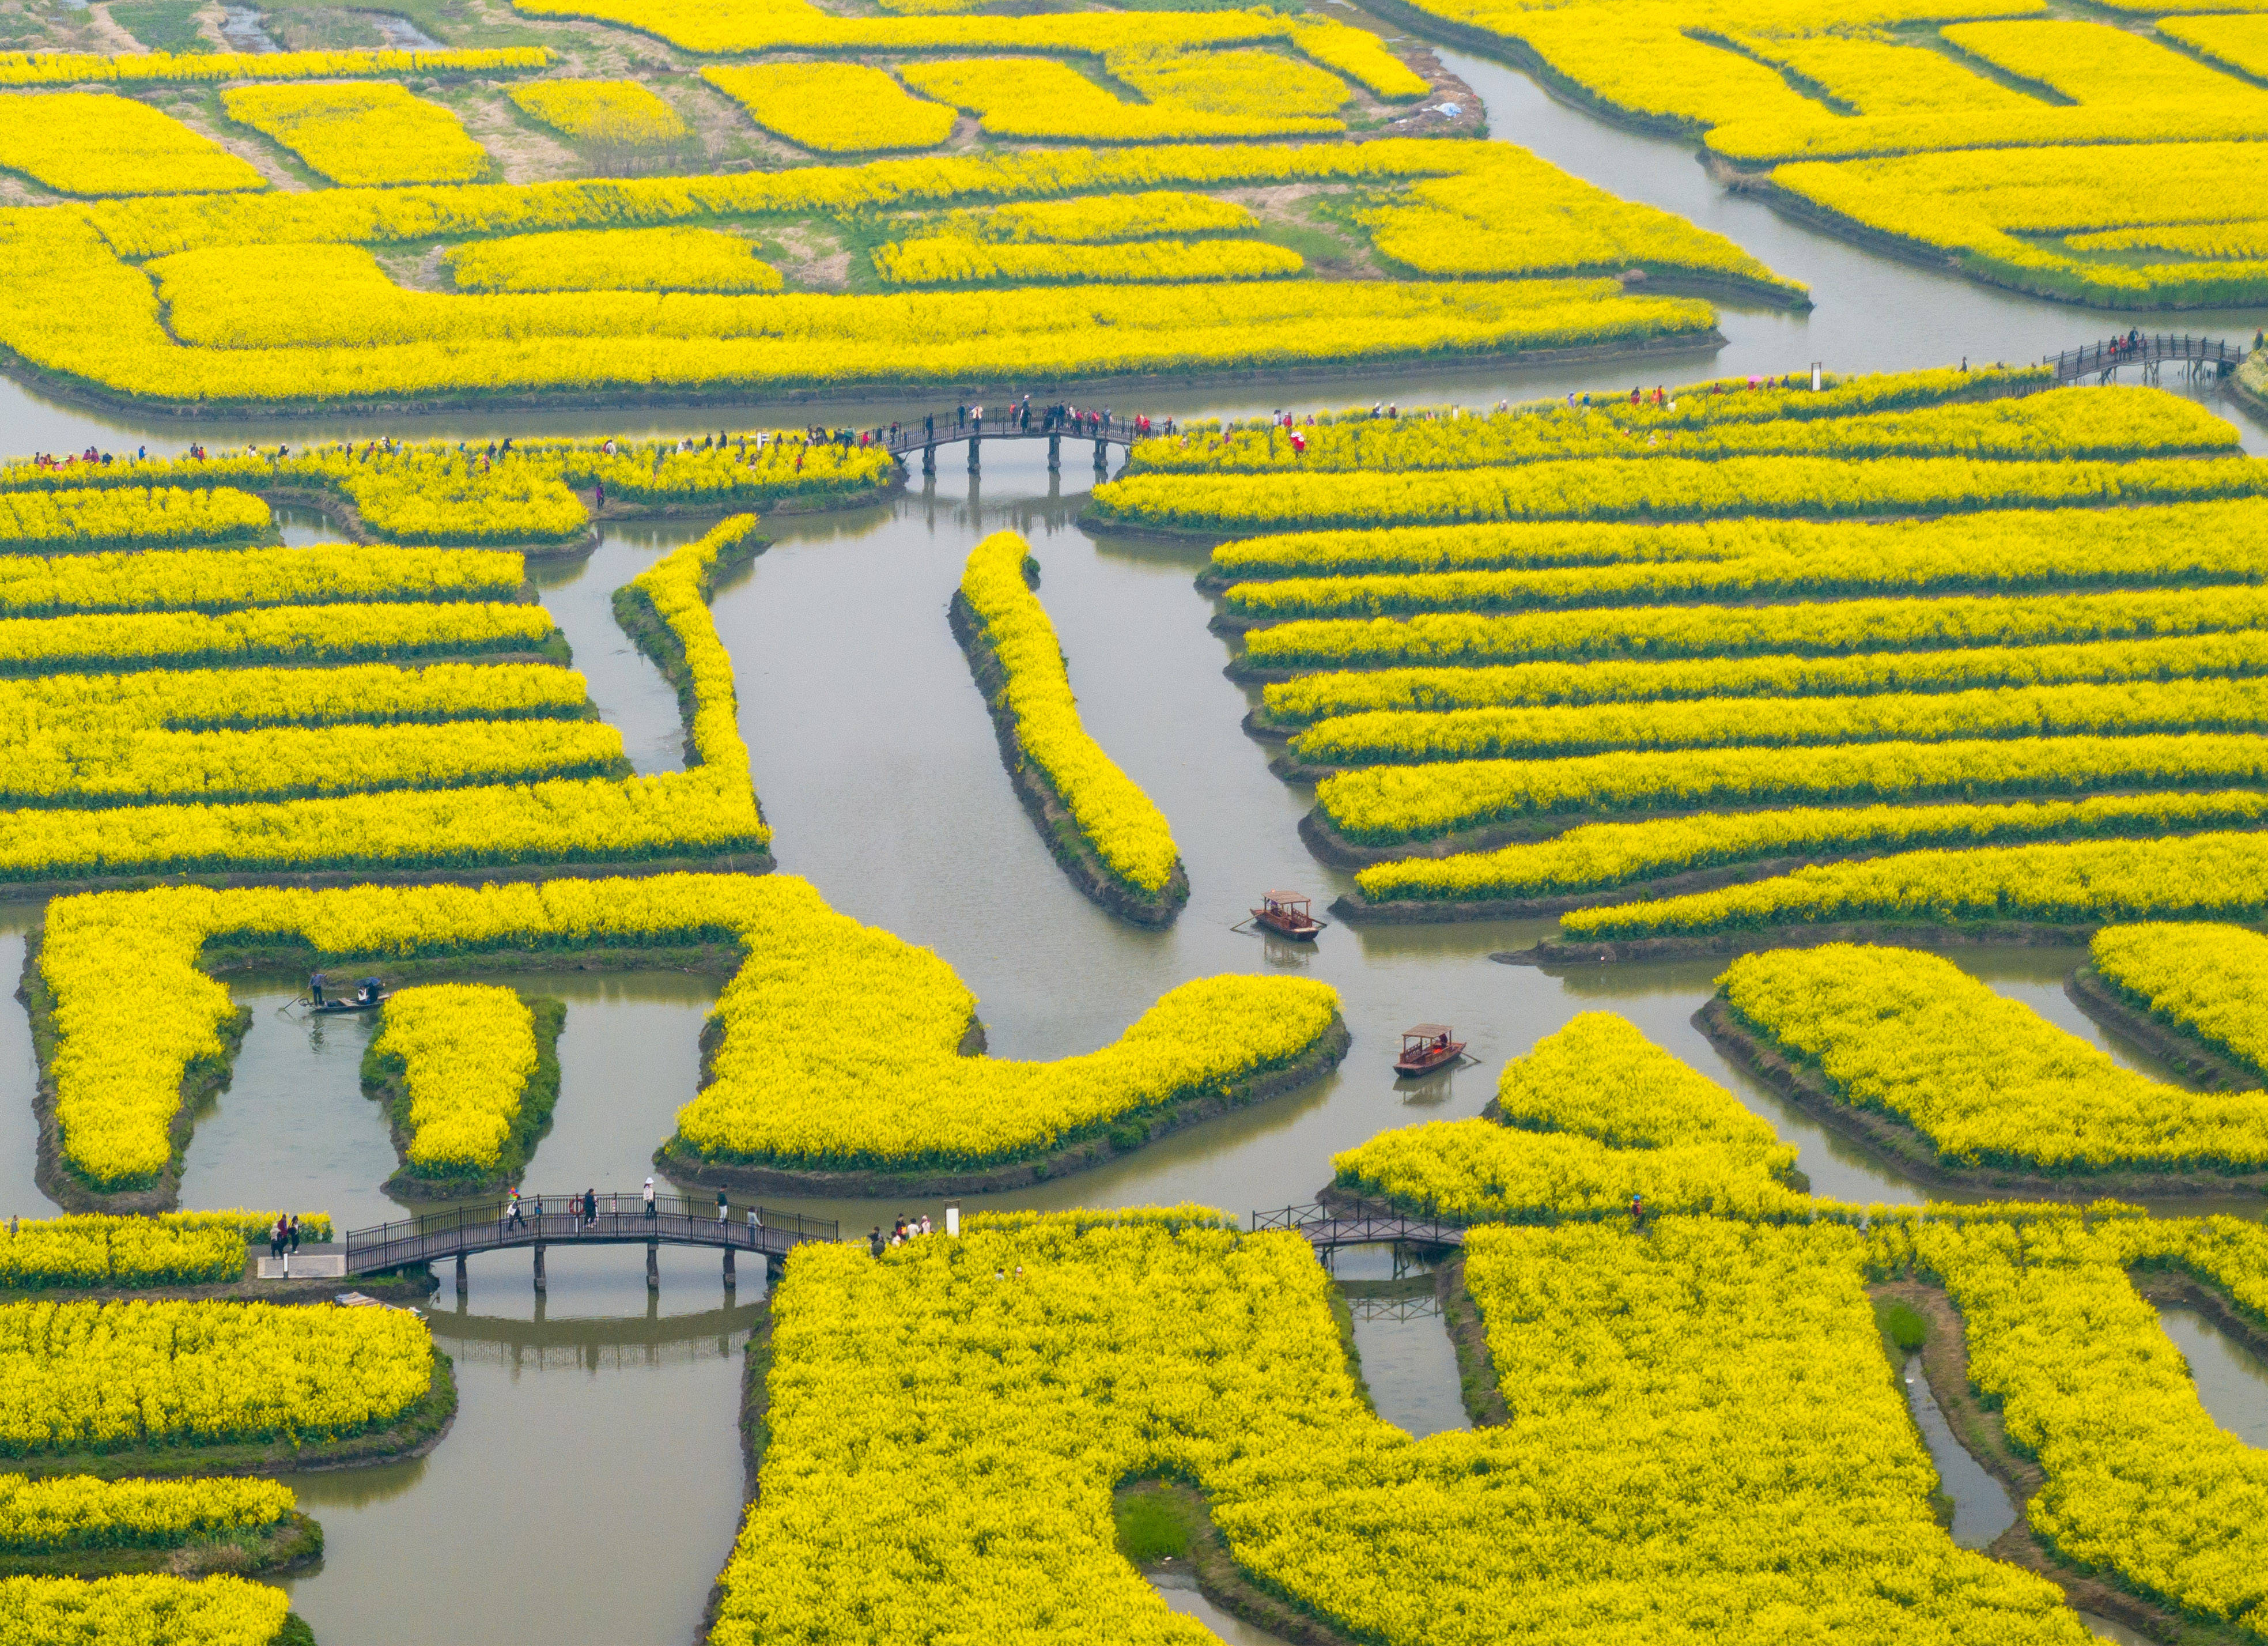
<point>1427,1030</point>
<point>1287,896</point>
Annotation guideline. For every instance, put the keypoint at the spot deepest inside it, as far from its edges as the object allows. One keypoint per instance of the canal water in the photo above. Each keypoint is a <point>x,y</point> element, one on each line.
<point>2231,1382</point>
<point>590,1488</point>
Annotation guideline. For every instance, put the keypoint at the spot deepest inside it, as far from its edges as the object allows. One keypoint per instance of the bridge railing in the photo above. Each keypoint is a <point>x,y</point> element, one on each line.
<point>2094,358</point>
<point>675,1218</point>
<point>912,437</point>
<point>1374,1223</point>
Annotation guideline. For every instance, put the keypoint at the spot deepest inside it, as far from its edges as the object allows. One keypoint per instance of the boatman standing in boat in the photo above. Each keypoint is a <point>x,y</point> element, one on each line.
<point>315,988</point>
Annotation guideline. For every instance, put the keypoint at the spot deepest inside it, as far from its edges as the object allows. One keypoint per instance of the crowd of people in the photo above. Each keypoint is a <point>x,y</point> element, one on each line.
<point>903,1230</point>
<point>284,1240</point>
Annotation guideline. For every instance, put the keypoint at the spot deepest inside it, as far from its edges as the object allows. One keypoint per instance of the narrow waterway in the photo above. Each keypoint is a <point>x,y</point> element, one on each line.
<point>1981,1508</point>
<point>631,692</point>
<point>589,1491</point>
<point>20,1195</point>
<point>1179,1591</point>
<point>294,1129</point>
<point>1409,1362</point>
<point>2231,1383</point>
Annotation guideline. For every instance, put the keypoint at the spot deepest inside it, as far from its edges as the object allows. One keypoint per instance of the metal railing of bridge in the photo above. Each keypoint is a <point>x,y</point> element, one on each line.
<point>2100,359</point>
<point>1020,424</point>
<point>541,1220</point>
<point>1359,1223</point>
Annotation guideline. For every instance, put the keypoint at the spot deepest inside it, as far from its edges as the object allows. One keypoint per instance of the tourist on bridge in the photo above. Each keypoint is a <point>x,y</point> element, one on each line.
<point>512,1217</point>
<point>721,1205</point>
<point>649,1197</point>
<point>590,1208</point>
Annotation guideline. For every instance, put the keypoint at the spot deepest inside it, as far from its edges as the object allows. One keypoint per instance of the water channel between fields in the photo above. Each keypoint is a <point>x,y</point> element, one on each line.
<point>591,1486</point>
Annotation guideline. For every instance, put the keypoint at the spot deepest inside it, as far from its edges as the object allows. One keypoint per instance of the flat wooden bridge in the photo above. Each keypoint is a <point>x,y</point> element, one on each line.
<point>1359,1223</point>
<point>1016,422</point>
<point>2198,356</point>
<point>541,1220</point>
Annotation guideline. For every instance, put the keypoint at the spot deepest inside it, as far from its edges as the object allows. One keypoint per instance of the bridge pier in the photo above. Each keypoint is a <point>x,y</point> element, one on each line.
<point>653,1266</point>
<point>1055,450</point>
<point>463,1285</point>
<point>728,1269</point>
<point>1102,455</point>
<point>929,460</point>
<point>974,440</point>
<point>539,1269</point>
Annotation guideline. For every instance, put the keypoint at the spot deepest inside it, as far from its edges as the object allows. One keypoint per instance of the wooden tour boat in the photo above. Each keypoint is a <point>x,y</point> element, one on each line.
<point>369,994</point>
<point>1286,914</point>
<point>1427,1047</point>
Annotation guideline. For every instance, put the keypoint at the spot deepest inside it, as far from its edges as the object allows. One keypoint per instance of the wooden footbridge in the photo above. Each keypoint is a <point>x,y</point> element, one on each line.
<point>2198,356</point>
<point>537,1221</point>
<point>1053,425</point>
<point>1354,1223</point>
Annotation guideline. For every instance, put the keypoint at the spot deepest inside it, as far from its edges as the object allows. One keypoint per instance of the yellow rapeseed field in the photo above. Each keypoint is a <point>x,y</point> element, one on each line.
<point>786,1091</point>
<point>1127,831</point>
<point>1041,1360</point>
<point>834,107</point>
<point>362,133</point>
<point>611,260</point>
<point>467,1055</point>
<point>93,142</point>
<point>1593,1115</point>
<point>1983,1079</point>
<point>619,112</point>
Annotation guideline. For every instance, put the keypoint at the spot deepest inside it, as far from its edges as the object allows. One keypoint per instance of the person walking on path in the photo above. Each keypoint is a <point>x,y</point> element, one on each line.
<point>874,1241</point>
<point>649,1197</point>
<point>275,1237</point>
<point>295,1231</point>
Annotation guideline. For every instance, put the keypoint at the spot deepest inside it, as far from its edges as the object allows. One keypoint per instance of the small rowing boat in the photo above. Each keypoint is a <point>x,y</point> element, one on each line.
<point>1287,913</point>
<point>1427,1047</point>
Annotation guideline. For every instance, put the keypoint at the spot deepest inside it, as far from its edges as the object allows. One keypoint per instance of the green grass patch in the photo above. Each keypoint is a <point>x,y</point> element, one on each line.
<point>1155,1524</point>
<point>168,26</point>
<point>1903,1329</point>
<point>1316,245</point>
